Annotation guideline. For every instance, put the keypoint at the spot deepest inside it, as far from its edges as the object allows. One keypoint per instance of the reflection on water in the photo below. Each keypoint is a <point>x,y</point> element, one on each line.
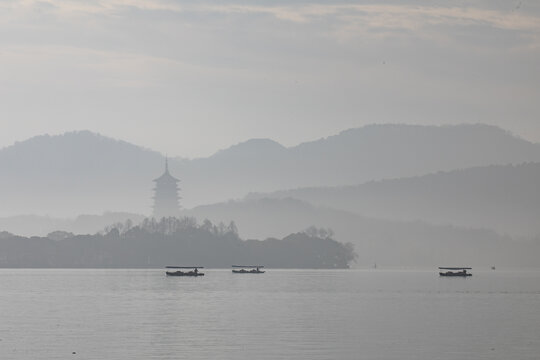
<point>283,314</point>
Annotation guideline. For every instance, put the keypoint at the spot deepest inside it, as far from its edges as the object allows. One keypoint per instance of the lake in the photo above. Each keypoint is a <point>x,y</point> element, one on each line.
<point>282,314</point>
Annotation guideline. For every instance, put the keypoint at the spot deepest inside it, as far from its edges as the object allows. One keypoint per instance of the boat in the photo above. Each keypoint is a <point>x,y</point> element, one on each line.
<point>455,271</point>
<point>193,272</point>
<point>243,269</point>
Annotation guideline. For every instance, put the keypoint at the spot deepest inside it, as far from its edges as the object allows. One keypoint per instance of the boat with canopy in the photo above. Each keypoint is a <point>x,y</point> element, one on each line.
<point>248,269</point>
<point>455,271</point>
<point>194,271</point>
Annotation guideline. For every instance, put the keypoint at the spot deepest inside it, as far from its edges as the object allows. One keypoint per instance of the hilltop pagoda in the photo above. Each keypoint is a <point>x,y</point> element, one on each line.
<point>166,199</point>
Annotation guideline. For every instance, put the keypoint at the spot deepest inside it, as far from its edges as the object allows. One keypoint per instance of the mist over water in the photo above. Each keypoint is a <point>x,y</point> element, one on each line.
<point>283,314</point>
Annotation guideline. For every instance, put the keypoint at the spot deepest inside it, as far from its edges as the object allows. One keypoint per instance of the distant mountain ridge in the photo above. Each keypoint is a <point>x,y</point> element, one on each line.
<point>68,174</point>
<point>261,147</point>
<point>505,198</point>
<point>82,172</point>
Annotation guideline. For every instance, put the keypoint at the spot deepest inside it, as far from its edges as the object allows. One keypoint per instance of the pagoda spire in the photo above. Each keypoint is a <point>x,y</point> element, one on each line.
<point>166,199</point>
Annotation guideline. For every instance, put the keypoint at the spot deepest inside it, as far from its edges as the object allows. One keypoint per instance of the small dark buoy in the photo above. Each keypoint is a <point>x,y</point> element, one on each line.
<point>74,353</point>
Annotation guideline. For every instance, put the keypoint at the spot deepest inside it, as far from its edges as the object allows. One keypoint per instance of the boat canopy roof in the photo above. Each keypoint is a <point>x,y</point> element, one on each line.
<point>247,266</point>
<point>455,268</point>
<point>184,267</point>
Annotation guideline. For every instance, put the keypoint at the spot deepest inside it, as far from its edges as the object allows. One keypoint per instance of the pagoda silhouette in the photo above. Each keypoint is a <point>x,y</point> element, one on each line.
<point>166,199</point>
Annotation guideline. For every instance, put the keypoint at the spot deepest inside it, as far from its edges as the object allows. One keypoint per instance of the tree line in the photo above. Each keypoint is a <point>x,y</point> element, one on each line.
<point>174,241</point>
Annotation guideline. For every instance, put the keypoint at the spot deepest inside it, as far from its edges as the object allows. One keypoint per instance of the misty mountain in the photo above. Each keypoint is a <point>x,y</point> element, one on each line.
<point>351,157</point>
<point>503,198</point>
<point>385,242</point>
<point>82,172</point>
<point>76,173</point>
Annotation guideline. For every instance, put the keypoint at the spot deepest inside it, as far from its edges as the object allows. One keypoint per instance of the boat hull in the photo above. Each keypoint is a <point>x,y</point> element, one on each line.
<point>247,272</point>
<point>451,274</point>
<point>181,273</point>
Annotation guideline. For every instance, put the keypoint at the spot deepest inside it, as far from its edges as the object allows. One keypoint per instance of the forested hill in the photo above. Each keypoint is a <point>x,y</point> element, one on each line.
<point>82,172</point>
<point>171,241</point>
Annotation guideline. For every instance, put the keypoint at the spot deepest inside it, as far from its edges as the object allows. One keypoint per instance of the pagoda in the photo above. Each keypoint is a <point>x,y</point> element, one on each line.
<point>166,200</point>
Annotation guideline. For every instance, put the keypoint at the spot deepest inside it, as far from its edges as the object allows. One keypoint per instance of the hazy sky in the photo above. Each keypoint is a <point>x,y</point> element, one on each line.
<point>188,78</point>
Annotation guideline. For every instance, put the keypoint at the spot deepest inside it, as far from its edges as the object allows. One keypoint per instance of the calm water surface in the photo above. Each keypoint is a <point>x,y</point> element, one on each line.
<point>283,314</point>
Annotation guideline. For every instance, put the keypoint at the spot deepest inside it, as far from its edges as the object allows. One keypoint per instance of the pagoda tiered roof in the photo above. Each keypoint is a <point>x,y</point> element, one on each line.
<point>166,177</point>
